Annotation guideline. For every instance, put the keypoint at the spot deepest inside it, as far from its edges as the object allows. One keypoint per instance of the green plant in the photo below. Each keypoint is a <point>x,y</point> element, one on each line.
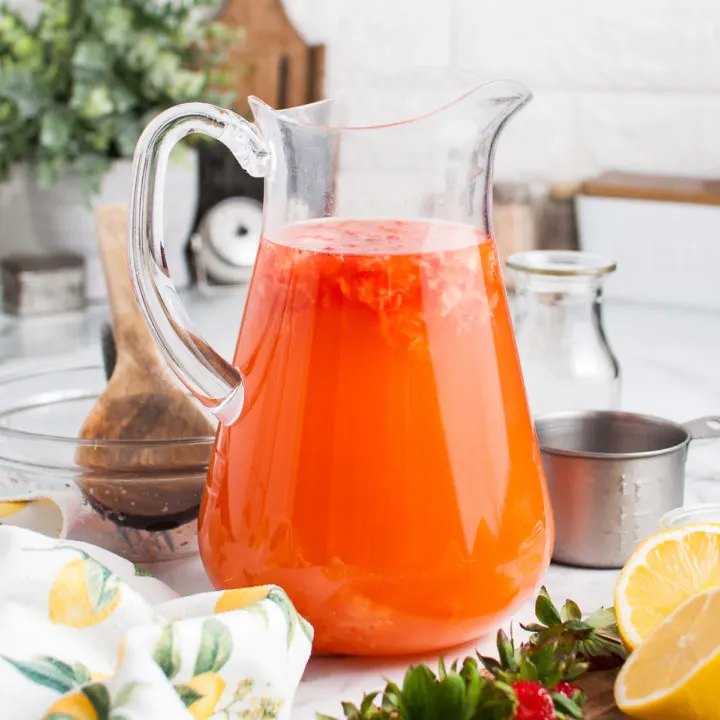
<point>78,84</point>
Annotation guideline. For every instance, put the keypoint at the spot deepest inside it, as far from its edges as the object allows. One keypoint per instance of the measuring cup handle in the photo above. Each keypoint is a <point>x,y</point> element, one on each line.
<point>705,428</point>
<point>213,380</point>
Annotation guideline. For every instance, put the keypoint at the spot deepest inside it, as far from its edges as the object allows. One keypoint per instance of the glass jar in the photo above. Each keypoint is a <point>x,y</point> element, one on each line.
<point>695,515</point>
<point>566,360</point>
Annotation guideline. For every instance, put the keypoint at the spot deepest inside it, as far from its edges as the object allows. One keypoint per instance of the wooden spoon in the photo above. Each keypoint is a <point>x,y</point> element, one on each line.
<point>141,402</point>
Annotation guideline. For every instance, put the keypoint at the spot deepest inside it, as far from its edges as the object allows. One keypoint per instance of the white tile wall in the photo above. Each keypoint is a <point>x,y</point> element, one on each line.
<point>621,84</point>
<point>594,44</point>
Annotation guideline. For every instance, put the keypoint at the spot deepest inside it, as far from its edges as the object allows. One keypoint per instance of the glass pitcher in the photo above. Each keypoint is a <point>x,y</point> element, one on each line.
<point>376,456</point>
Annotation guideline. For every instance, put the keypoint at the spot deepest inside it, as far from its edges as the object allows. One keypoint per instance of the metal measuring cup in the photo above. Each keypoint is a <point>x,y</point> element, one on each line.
<point>611,477</point>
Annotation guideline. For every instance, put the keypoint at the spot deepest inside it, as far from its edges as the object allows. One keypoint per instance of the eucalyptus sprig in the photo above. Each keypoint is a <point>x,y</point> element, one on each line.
<point>79,83</point>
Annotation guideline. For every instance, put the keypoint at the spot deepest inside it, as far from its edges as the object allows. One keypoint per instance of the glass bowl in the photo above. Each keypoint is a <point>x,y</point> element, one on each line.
<point>143,516</point>
<point>706,513</point>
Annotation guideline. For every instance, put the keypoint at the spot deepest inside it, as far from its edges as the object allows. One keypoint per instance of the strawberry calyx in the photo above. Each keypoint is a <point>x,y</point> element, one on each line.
<point>534,680</point>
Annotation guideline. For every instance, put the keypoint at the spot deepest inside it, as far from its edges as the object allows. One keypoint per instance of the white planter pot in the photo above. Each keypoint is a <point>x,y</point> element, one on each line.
<point>61,221</point>
<point>15,234</point>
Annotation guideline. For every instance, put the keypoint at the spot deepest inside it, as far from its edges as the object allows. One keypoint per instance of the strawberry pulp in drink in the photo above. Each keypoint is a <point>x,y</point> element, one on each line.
<point>384,470</point>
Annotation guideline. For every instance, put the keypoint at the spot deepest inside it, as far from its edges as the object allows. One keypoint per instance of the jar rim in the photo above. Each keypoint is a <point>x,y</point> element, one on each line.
<point>560,263</point>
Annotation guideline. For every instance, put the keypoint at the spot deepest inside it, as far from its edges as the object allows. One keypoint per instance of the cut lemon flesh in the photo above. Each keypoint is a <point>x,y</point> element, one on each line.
<point>674,673</point>
<point>664,572</point>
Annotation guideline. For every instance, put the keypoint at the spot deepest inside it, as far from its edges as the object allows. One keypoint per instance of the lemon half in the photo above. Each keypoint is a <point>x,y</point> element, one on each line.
<point>674,673</point>
<point>666,570</point>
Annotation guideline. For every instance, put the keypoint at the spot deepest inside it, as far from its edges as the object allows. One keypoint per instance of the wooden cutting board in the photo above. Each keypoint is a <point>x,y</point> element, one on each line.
<point>276,63</point>
<point>599,689</point>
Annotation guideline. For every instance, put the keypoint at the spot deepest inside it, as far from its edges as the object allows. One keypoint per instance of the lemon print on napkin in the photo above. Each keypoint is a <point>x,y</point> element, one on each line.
<point>85,636</point>
<point>51,514</point>
<point>83,594</point>
<point>208,688</point>
<point>241,598</point>
<point>75,706</point>
<point>201,694</point>
<point>12,507</point>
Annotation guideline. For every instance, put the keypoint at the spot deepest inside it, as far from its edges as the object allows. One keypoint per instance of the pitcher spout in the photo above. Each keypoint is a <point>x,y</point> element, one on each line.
<point>402,98</point>
<point>418,143</point>
<point>505,97</point>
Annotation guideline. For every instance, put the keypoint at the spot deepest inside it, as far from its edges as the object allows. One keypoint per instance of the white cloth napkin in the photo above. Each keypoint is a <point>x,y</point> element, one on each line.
<point>49,514</point>
<point>84,635</point>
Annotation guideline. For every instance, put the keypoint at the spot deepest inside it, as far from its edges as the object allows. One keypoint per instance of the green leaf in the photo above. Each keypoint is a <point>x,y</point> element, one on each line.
<point>393,699</point>
<point>490,664</point>
<point>126,134</point>
<point>545,611</point>
<point>188,695</point>
<point>418,691</point>
<point>63,668</point>
<point>367,702</point>
<point>48,170</point>
<point>260,610</point>
<point>56,128</point>
<point>603,617</point>
<point>576,670</point>
<point>533,627</point>
<point>350,711</point>
<point>103,587</point>
<point>216,646</point>
<point>567,706</point>
<point>92,55</point>
<point>527,670</point>
<point>166,653</point>
<point>280,598</point>
<point>125,694</point>
<point>506,650</point>
<point>59,716</point>
<point>91,169</point>
<point>450,699</point>
<point>26,89</point>
<point>570,611</point>
<point>81,673</point>
<point>473,684</point>
<point>45,674</point>
<point>99,698</point>
<point>91,101</point>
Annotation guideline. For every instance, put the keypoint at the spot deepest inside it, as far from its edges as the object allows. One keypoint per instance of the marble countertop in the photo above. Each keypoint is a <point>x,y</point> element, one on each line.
<point>669,360</point>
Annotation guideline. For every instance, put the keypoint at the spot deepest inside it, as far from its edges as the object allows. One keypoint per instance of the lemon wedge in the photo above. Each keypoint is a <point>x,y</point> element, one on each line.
<point>674,672</point>
<point>667,569</point>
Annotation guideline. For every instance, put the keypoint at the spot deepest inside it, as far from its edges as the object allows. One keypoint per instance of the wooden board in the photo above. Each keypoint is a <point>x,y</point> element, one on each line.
<point>277,64</point>
<point>599,689</point>
<point>665,188</point>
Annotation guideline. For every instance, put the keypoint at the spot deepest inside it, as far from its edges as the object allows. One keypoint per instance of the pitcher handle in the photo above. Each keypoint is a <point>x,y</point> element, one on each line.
<point>213,380</point>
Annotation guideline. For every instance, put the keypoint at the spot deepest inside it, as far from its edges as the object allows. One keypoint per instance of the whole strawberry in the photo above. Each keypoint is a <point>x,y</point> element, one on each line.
<point>569,690</point>
<point>534,701</point>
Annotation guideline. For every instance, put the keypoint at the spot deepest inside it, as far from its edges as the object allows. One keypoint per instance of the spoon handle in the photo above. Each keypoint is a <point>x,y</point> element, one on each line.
<point>132,338</point>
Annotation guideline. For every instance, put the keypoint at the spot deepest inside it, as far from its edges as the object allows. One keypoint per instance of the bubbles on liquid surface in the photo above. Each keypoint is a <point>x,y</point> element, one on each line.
<point>377,236</point>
